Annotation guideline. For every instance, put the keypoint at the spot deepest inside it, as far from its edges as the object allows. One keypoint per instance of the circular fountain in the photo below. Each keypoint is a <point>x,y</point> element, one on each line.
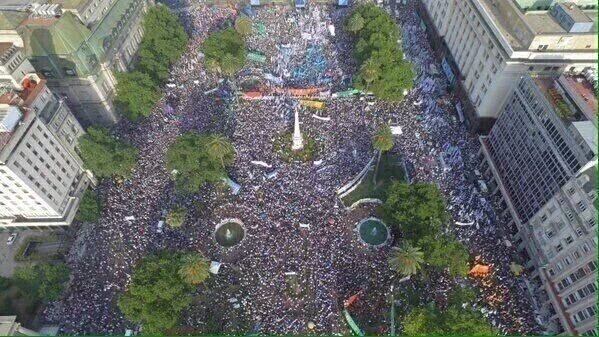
<point>229,232</point>
<point>373,232</point>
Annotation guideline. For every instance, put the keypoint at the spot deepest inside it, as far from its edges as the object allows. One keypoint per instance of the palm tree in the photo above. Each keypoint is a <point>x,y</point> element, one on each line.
<point>406,260</point>
<point>194,268</point>
<point>220,147</point>
<point>382,142</point>
<point>243,26</point>
<point>176,217</point>
<point>369,71</point>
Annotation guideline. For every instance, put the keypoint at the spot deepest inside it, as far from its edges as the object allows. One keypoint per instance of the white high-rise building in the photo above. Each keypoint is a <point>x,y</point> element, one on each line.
<point>487,45</point>
<point>42,179</point>
<point>540,162</point>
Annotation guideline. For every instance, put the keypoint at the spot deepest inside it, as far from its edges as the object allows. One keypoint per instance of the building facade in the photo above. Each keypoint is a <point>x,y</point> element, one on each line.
<point>42,179</point>
<point>490,44</point>
<point>540,162</point>
<point>13,66</point>
<point>79,51</point>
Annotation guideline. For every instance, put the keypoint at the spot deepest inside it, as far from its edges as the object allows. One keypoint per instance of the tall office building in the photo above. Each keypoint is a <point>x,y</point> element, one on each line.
<point>42,179</point>
<point>78,50</point>
<point>540,160</point>
<point>487,45</point>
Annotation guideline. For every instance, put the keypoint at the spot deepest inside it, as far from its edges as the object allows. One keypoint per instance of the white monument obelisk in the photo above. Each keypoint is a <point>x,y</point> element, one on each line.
<point>298,140</point>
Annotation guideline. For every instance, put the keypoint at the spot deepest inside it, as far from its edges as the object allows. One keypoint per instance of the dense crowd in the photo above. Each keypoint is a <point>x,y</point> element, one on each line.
<point>328,261</point>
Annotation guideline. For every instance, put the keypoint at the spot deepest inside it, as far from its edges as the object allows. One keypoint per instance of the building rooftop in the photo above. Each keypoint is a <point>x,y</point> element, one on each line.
<point>574,12</point>
<point>68,4</point>
<point>32,88</point>
<point>4,48</point>
<point>520,27</point>
<point>508,18</point>
<point>553,96</point>
<point>543,23</point>
<point>591,184</point>
<point>43,37</point>
<point>588,132</point>
<point>582,93</point>
<point>11,20</point>
<point>562,95</point>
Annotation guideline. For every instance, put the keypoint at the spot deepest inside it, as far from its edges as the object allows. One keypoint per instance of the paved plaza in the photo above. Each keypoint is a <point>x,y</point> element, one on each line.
<point>293,219</point>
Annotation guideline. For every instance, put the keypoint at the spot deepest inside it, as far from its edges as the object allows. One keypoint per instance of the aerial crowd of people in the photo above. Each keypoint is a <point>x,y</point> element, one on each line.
<point>296,227</point>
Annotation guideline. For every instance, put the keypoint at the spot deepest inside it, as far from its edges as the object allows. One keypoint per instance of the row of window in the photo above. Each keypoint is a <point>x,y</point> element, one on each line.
<point>577,275</point>
<point>581,293</point>
<point>567,260</point>
<point>585,314</point>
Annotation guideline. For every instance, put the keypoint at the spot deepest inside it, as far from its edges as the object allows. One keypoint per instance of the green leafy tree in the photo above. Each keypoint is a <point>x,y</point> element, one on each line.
<point>417,210</point>
<point>445,252</point>
<point>194,269</point>
<point>455,321</point>
<point>43,282</point>
<point>370,71</point>
<point>393,82</point>
<point>355,23</point>
<point>243,26</point>
<point>90,207</point>
<point>383,70</point>
<point>461,295</point>
<point>163,43</point>
<point>136,94</point>
<point>104,155</point>
<point>383,139</point>
<point>225,51</point>
<point>176,217</point>
<point>382,142</point>
<point>220,148</point>
<point>157,294</point>
<point>194,162</point>
<point>406,260</point>
<point>422,321</point>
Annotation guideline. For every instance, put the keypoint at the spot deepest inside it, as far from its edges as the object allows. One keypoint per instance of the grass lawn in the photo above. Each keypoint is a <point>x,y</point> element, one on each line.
<point>390,169</point>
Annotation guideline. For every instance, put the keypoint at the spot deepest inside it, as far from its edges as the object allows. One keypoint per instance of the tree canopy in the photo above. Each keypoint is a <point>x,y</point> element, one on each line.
<point>355,23</point>
<point>194,268</point>
<point>454,321</point>
<point>383,70</point>
<point>243,25</point>
<point>416,209</point>
<point>157,293</point>
<point>195,161</point>
<point>90,207</point>
<point>104,155</point>
<point>44,282</point>
<point>383,139</point>
<point>176,217</point>
<point>136,94</point>
<point>224,51</point>
<point>444,251</point>
<point>163,43</point>
<point>406,260</point>
<point>461,295</point>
